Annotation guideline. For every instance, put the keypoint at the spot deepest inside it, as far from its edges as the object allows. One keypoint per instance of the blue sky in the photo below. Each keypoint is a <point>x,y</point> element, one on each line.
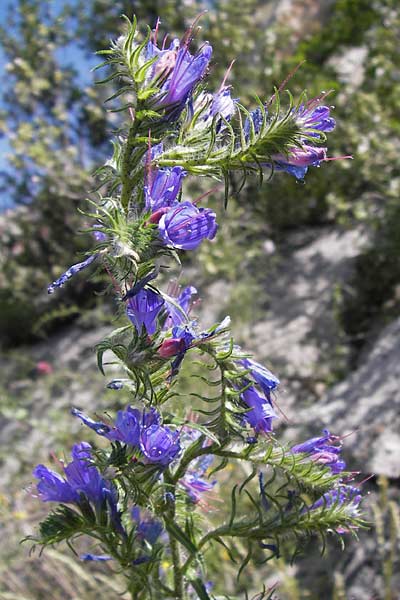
<point>70,55</point>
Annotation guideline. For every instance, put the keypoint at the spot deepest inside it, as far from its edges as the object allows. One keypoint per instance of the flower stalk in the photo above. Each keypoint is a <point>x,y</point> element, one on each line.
<point>137,495</point>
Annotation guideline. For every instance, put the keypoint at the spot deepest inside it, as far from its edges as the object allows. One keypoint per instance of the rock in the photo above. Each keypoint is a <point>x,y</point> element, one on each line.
<point>299,337</point>
<point>367,405</point>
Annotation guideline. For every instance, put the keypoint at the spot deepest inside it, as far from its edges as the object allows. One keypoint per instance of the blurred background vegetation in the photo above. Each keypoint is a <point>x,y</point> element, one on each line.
<point>55,131</point>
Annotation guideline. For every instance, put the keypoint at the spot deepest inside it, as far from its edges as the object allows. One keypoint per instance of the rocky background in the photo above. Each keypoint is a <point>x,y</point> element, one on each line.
<point>309,273</point>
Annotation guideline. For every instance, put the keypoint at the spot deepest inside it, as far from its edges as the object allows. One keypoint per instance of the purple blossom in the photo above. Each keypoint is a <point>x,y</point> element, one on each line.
<point>127,425</point>
<point>194,480</point>
<point>159,444</point>
<point>211,105</point>
<point>185,226</point>
<point>98,234</point>
<point>179,307</point>
<point>261,375</point>
<point>95,557</point>
<point>143,310</point>
<point>223,104</point>
<point>162,188</point>
<point>323,451</point>
<point>314,117</point>
<point>141,430</point>
<point>261,412</point>
<point>58,283</point>
<point>54,488</point>
<point>81,479</point>
<point>346,496</point>
<point>257,119</point>
<point>299,159</point>
<point>177,71</point>
<point>148,529</point>
<point>139,285</point>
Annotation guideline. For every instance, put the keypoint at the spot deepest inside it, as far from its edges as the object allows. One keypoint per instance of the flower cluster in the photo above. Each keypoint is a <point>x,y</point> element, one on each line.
<point>142,431</point>
<point>81,485</point>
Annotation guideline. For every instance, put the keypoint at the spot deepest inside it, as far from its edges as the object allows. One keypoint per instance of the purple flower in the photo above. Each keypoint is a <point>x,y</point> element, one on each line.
<point>58,283</point>
<point>127,425</point>
<point>143,310</point>
<point>81,479</point>
<point>141,430</point>
<point>323,451</point>
<point>99,235</point>
<point>257,118</point>
<point>178,308</point>
<point>345,496</point>
<point>194,480</point>
<point>177,71</point>
<point>299,159</point>
<point>223,104</point>
<point>261,412</point>
<point>314,117</point>
<point>163,187</point>
<point>95,557</point>
<point>261,375</point>
<point>186,226</point>
<point>54,488</point>
<point>159,444</point>
<point>211,105</point>
<point>148,529</point>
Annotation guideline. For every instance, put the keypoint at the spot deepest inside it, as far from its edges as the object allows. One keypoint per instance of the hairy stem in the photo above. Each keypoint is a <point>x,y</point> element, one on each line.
<point>175,553</point>
<point>126,168</point>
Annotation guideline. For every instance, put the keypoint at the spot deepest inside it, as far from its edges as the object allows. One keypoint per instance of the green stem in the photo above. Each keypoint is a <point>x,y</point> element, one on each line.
<point>126,168</point>
<point>175,553</point>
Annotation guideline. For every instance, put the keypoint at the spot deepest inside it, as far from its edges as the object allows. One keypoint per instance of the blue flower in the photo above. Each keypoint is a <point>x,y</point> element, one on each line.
<point>141,430</point>
<point>346,496</point>
<point>162,188</point>
<point>185,226</point>
<point>143,309</point>
<point>322,450</point>
<point>159,444</point>
<point>58,283</point>
<point>82,479</point>
<point>299,159</point>
<point>95,557</point>
<point>261,375</point>
<point>177,72</point>
<point>257,118</point>
<point>194,480</point>
<point>261,412</point>
<point>99,235</point>
<point>54,488</point>
<point>179,307</point>
<point>208,106</point>
<point>313,117</point>
<point>148,529</point>
<point>126,428</point>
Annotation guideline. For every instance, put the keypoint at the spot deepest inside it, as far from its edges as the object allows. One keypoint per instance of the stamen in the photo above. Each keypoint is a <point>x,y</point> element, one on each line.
<point>155,31</point>
<point>315,101</point>
<point>190,33</point>
<point>285,81</point>
<point>215,189</point>
<point>337,158</point>
<point>229,69</point>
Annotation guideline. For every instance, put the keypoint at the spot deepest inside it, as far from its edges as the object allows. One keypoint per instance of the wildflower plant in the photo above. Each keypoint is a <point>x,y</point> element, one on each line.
<point>140,494</point>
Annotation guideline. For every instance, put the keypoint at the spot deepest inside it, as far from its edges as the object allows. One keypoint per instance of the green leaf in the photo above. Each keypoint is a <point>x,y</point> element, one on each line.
<point>181,536</point>
<point>200,589</point>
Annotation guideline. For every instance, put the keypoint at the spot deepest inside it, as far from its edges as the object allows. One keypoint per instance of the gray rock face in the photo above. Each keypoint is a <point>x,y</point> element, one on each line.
<point>366,404</point>
<point>299,338</point>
